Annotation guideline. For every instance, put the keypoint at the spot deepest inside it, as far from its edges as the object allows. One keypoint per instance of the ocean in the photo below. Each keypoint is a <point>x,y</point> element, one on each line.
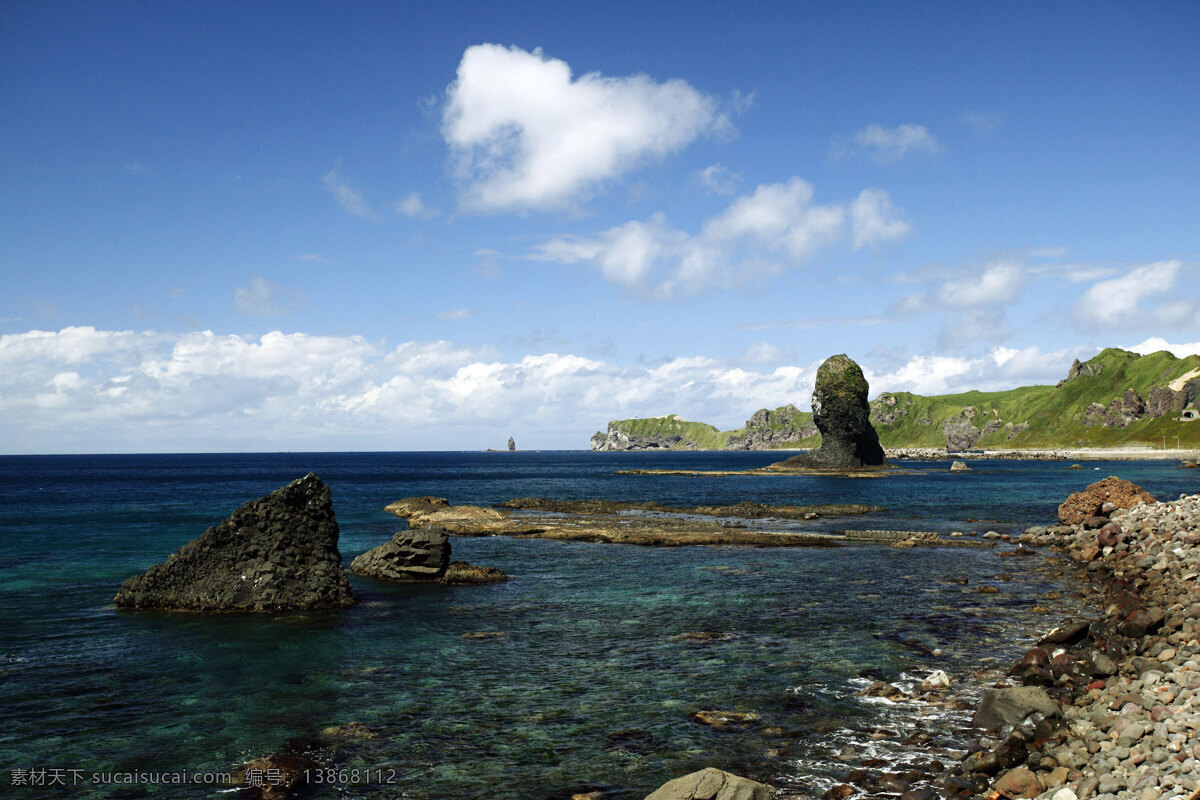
<point>588,689</point>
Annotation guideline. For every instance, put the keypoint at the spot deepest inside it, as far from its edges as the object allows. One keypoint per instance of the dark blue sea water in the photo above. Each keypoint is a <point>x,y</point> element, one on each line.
<point>586,689</point>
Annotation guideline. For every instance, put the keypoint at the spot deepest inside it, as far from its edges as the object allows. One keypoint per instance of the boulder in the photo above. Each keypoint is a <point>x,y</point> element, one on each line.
<point>960,433</point>
<point>1002,708</point>
<point>273,554</point>
<point>416,554</point>
<point>959,466</point>
<point>1088,503</point>
<point>841,414</point>
<point>712,784</point>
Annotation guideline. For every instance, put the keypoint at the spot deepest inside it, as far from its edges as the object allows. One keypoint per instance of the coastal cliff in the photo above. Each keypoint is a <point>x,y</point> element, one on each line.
<point>1116,399</point>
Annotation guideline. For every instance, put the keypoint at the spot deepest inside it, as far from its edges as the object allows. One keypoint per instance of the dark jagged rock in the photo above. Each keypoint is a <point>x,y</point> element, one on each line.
<point>512,444</point>
<point>276,553</point>
<point>415,554</point>
<point>841,413</point>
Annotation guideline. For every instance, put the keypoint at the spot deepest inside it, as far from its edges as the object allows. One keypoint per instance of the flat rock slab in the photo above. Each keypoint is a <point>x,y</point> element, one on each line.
<point>712,784</point>
<point>277,553</point>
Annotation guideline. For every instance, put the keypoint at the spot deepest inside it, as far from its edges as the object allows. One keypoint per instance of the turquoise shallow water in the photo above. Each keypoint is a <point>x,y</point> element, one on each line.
<point>587,688</point>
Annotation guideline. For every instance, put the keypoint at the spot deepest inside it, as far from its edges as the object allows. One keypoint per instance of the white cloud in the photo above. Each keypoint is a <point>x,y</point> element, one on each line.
<point>454,313</point>
<point>414,207</point>
<point>889,145</point>
<point>350,199</point>
<point>719,179</point>
<point>997,282</point>
<point>1119,301</point>
<point>1001,368</point>
<point>758,234</point>
<point>875,220</point>
<point>263,298</point>
<point>1156,343</point>
<point>84,390</point>
<point>525,135</point>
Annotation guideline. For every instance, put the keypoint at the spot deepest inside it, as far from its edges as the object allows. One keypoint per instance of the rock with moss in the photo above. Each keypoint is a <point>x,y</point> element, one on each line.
<point>841,413</point>
<point>277,553</point>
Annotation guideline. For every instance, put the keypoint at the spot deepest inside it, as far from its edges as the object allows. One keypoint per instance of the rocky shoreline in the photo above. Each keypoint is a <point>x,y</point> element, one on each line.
<point>1107,705</point>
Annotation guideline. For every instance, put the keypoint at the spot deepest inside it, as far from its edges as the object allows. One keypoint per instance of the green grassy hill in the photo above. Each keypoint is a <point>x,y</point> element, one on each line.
<point>1116,399</point>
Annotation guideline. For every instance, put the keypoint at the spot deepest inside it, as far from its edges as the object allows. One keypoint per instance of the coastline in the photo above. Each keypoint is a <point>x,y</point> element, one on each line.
<point>1047,454</point>
<point>1107,705</point>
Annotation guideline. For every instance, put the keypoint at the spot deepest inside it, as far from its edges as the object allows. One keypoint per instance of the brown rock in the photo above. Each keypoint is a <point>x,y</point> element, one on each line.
<point>1119,492</point>
<point>1019,782</point>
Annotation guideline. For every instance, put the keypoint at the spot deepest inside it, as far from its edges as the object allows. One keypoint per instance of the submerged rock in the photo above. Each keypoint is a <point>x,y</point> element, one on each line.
<point>460,573</point>
<point>1090,502</point>
<point>712,784</point>
<point>416,554</point>
<point>841,413</point>
<point>276,553</point>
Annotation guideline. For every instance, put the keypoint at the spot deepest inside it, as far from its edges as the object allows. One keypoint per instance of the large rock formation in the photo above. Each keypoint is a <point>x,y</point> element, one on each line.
<point>841,413</point>
<point>1091,501</point>
<point>712,784</point>
<point>416,554</point>
<point>276,553</point>
<point>767,429</point>
<point>617,440</point>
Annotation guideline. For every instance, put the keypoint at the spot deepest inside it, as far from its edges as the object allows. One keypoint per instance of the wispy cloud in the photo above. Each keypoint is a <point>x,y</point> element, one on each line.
<point>888,145</point>
<point>349,198</point>
<point>719,179</point>
<point>414,207</point>
<point>762,233</point>
<point>454,313</point>
<point>525,135</point>
<point>982,121</point>
<point>263,298</point>
<point>875,220</point>
<point>1125,301</point>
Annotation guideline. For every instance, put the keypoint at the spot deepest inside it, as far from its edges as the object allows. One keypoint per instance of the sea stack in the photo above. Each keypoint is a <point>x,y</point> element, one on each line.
<point>841,414</point>
<point>277,553</point>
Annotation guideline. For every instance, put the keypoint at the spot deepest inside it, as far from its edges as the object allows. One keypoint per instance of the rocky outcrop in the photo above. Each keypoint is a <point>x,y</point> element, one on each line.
<point>1102,497</point>
<point>617,440</point>
<point>416,554</point>
<point>766,430</point>
<point>841,413</point>
<point>512,444</point>
<point>712,784</point>
<point>276,553</point>
<point>960,433</point>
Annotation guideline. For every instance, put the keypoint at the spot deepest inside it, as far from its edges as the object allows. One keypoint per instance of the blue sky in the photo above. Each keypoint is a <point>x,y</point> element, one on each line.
<point>265,226</point>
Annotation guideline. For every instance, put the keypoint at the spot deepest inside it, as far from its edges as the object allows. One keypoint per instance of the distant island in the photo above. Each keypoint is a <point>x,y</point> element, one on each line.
<point>1117,399</point>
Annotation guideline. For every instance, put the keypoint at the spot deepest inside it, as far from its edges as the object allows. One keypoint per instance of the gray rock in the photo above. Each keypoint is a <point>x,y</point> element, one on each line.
<point>1002,708</point>
<point>842,415</point>
<point>712,784</point>
<point>959,466</point>
<point>276,553</point>
<point>960,433</point>
<point>416,554</point>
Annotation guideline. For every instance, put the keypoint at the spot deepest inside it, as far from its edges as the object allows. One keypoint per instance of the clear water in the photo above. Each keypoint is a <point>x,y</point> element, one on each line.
<point>587,657</point>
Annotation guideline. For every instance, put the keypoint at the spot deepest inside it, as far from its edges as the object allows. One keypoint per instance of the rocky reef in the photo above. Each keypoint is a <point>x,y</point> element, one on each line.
<point>841,414</point>
<point>273,554</point>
